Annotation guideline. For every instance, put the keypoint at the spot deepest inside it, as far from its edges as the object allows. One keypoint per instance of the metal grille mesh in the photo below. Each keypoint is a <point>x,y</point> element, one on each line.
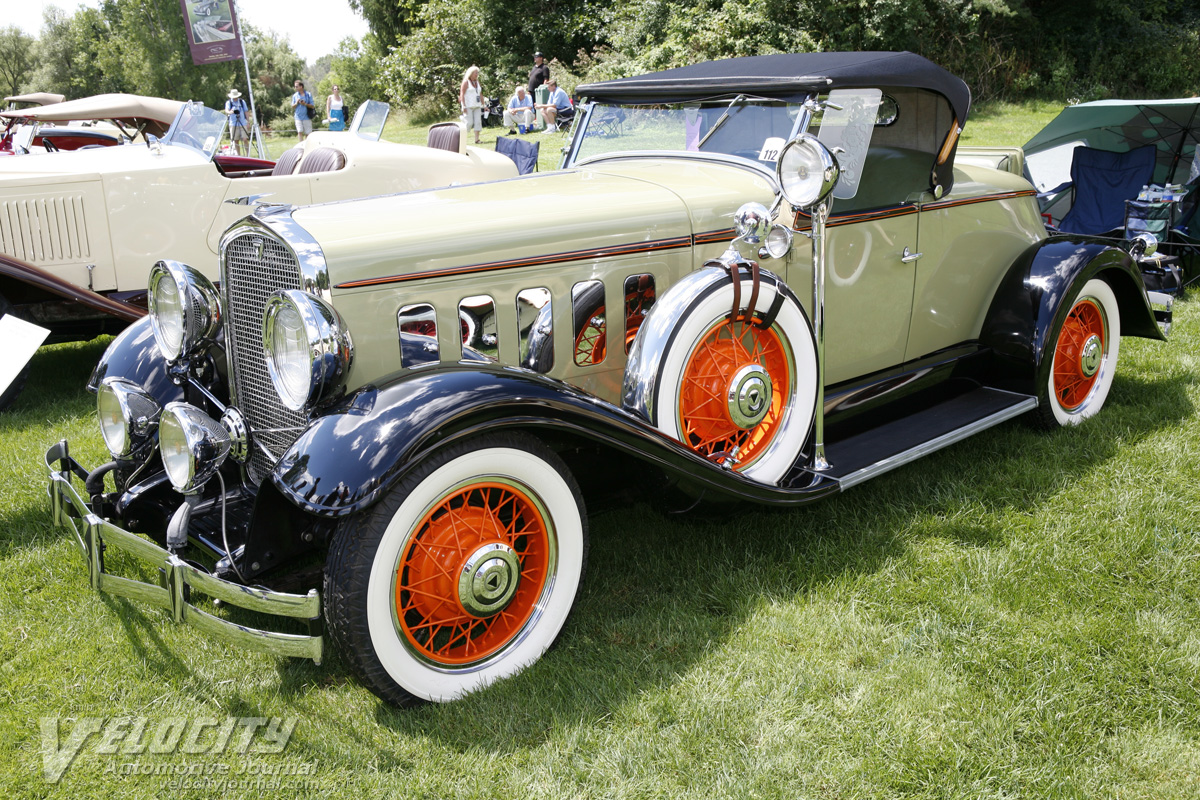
<point>250,280</point>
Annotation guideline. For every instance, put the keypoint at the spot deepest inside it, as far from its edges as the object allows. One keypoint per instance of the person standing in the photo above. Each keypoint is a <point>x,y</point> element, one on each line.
<point>539,74</point>
<point>470,99</point>
<point>302,110</point>
<point>239,132</point>
<point>519,111</point>
<point>335,110</point>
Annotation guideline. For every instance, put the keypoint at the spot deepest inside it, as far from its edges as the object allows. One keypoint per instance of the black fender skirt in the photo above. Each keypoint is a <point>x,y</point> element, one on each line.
<point>346,460</point>
<point>1036,293</point>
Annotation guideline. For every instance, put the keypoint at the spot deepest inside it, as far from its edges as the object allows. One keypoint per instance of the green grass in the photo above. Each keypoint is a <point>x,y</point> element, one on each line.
<point>1014,617</point>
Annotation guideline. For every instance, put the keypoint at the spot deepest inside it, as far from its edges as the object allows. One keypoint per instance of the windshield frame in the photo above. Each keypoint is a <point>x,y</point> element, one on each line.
<point>177,137</point>
<point>734,103</point>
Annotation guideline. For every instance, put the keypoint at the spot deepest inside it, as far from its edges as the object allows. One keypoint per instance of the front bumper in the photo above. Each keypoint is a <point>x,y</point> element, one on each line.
<point>95,535</point>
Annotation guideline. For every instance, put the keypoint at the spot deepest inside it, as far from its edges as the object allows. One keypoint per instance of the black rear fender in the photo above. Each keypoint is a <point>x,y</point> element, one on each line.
<point>1037,292</point>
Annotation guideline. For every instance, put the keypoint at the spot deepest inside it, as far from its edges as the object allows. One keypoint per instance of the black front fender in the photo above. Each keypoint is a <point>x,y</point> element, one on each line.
<point>346,460</point>
<point>133,355</point>
<point>1037,291</point>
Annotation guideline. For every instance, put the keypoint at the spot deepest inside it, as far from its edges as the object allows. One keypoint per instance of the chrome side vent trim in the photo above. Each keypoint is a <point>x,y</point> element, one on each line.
<point>45,230</point>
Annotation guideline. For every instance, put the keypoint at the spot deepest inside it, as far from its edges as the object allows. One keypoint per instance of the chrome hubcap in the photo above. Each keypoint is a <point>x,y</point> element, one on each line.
<point>488,579</point>
<point>1090,356</point>
<point>749,397</point>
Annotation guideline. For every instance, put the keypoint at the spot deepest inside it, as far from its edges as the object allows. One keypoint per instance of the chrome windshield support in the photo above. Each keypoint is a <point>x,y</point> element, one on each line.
<point>820,214</point>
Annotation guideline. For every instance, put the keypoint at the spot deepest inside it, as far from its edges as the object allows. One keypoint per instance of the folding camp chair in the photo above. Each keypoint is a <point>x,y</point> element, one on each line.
<point>524,154</point>
<point>1103,181</point>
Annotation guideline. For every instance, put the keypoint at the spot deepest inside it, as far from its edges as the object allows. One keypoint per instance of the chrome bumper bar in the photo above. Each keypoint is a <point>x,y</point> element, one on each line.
<point>94,535</point>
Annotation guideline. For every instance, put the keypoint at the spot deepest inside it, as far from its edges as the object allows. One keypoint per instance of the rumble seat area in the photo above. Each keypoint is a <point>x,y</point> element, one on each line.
<point>322,159</point>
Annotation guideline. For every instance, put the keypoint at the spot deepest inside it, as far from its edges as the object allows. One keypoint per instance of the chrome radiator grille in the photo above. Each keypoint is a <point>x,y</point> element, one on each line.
<point>255,267</point>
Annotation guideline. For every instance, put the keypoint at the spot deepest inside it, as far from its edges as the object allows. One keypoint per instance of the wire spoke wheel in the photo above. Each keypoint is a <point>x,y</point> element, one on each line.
<point>706,414</point>
<point>1078,368</point>
<point>1078,354</point>
<point>462,574</point>
<point>473,573</point>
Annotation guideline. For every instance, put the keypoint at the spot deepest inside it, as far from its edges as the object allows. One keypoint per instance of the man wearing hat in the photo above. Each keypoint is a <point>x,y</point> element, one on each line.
<point>539,74</point>
<point>235,109</point>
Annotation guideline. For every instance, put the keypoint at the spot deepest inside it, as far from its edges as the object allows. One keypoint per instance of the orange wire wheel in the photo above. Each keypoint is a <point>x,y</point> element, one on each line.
<point>1079,354</point>
<point>471,576</point>
<point>735,388</point>
<point>591,340</point>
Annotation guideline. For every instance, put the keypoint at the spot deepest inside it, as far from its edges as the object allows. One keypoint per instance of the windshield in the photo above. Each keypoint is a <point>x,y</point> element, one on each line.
<point>752,128</point>
<point>198,127</point>
<point>368,120</point>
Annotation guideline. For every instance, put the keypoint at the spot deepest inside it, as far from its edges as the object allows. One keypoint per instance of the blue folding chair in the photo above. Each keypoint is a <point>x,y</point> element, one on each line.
<point>524,154</point>
<point>1103,181</point>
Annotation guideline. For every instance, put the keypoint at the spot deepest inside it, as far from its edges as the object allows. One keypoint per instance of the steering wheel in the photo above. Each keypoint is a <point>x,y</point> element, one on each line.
<point>183,137</point>
<point>49,145</point>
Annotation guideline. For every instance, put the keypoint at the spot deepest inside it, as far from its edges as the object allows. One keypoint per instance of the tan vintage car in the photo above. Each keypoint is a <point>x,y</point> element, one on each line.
<point>761,279</point>
<point>80,230</point>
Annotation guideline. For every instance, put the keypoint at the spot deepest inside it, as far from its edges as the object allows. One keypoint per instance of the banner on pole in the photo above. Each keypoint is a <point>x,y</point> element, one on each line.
<point>212,30</point>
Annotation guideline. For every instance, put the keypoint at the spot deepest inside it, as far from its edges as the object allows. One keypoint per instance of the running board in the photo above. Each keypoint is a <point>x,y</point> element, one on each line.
<point>882,449</point>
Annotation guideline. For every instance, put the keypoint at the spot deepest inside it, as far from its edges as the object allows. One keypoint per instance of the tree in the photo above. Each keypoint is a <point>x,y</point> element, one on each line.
<point>16,58</point>
<point>65,55</point>
<point>390,20</point>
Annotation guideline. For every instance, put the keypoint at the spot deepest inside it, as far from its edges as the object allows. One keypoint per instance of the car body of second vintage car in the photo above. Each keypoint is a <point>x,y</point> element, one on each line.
<point>79,231</point>
<point>757,279</point>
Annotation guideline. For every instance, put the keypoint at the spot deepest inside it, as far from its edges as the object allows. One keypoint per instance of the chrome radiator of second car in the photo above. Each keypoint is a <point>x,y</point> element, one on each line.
<point>254,266</point>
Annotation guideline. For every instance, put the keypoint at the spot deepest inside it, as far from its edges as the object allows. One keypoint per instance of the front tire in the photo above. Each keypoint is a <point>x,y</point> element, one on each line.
<point>462,575</point>
<point>1078,371</point>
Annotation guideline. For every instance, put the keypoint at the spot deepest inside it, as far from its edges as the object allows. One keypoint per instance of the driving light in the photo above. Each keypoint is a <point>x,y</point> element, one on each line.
<point>778,243</point>
<point>807,171</point>
<point>193,446</point>
<point>308,348</point>
<point>128,417</point>
<point>185,311</point>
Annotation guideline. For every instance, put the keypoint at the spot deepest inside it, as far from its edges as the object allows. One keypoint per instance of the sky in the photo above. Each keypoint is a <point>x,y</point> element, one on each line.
<point>314,27</point>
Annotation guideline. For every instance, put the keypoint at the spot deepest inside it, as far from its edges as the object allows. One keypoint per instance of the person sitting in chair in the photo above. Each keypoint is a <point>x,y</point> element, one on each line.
<point>558,107</point>
<point>519,111</point>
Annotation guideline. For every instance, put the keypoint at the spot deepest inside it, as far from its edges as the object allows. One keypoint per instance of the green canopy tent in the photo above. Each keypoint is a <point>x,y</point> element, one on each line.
<point>1172,126</point>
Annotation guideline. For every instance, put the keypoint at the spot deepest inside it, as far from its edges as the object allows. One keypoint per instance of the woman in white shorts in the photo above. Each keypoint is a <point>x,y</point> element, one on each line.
<point>470,99</point>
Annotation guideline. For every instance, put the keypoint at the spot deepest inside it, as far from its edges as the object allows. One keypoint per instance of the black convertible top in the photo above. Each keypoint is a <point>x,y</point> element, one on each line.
<point>787,76</point>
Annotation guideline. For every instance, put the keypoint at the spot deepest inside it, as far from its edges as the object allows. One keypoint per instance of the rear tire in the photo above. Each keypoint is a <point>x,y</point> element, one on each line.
<point>462,575</point>
<point>1078,369</point>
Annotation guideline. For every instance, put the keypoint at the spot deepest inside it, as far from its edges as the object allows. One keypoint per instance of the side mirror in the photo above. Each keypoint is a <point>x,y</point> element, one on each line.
<point>807,171</point>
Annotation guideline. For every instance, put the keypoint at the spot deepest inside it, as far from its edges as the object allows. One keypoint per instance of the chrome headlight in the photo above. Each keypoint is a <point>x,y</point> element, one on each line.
<point>308,348</point>
<point>128,417</point>
<point>807,171</point>
<point>185,310</point>
<point>193,446</point>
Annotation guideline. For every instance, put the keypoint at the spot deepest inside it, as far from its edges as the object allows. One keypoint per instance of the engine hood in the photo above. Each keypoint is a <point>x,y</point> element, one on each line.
<point>43,168</point>
<point>532,220</point>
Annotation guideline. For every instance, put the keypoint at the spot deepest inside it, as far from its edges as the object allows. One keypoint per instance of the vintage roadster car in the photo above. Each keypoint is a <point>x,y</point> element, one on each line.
<point>761,279</point>
<point>103,120</point>
<point>79,231</point>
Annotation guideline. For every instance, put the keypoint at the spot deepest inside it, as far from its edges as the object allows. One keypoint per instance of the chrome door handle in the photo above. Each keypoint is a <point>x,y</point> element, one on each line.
<point>908,257</point>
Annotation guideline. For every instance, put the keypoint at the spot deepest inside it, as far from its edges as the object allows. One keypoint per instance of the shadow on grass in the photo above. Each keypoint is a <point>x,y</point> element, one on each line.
<point>662,592</point>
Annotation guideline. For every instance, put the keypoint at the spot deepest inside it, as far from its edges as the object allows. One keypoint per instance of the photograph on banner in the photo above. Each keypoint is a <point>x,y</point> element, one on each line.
<point>212,30</point>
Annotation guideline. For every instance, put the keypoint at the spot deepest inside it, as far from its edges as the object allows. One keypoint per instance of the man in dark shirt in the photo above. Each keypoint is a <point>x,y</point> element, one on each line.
<point>539,74</point>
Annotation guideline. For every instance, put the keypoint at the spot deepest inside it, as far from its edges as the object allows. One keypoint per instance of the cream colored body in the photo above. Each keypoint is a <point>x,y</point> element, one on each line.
<point>101,218</point>
<point>527,233</point>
